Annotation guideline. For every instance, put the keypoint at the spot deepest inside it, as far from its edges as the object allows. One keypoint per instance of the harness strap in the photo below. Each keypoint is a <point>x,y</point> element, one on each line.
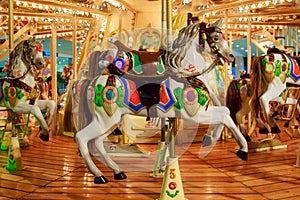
<point>32,93</point>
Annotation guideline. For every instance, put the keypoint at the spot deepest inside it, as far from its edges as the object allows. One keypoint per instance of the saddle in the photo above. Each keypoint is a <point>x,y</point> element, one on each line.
<point>149,87</point>
<point>148,61</point>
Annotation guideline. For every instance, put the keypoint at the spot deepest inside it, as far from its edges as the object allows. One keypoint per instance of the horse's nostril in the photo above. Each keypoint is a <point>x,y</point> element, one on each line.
<point>231,55</point>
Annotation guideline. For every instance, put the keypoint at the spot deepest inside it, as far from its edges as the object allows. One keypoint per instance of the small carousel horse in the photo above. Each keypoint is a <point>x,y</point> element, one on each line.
<point>269,79</point>
<point>18,91</point>
<point>173,93</point>
<point>270,76</point>
<point>237,100</point>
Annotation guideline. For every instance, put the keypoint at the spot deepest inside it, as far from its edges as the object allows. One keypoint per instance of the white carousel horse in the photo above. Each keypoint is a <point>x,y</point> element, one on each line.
<point>18,91</point>
<point>199,65</point>
<point>175,93</point>
<point>270,75</point>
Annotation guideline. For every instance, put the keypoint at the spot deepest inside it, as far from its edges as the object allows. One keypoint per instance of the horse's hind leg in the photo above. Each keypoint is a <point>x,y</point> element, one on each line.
<point>220,115</point>
<point>118,174</point>
<point>211,139</point>
<point>82,138</point>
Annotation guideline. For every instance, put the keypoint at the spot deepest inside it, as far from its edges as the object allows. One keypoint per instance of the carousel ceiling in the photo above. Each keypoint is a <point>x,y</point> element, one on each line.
<point>276,17</point>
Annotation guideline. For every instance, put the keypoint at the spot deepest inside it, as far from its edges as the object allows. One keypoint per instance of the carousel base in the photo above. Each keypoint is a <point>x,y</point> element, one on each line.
<point>126,150</point>
<point>264,145</point>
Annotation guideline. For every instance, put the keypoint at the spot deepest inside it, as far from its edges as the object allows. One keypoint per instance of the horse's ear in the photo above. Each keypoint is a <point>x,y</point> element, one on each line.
<point>218,23</point>
<point>201,14</point>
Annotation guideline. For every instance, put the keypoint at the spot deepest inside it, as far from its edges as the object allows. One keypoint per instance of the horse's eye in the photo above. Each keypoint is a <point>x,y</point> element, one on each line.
<point>216,39</point>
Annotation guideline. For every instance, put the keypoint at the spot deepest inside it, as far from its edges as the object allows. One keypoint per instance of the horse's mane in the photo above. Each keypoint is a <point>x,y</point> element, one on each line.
<point>258,84</point>
<point>181,44</point>
<point>14,55</point>
<point>94,69</point>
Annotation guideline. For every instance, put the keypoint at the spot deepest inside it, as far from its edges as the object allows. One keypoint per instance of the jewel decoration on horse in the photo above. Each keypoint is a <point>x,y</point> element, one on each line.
<point>107,95</point>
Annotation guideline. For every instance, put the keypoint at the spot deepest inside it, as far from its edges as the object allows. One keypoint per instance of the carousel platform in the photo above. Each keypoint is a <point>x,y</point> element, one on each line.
<point>54,170</point>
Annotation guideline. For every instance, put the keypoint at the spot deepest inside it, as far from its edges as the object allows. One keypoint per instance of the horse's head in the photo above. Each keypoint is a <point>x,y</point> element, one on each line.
<point>212,40</point>
<point>33,50</point>
<point>198,48</point>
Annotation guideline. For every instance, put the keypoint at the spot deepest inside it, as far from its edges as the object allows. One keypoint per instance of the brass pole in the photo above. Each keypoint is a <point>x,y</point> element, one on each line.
<point>53,71</point>
<point>11,25</point>
<point>169,24</point>
<point>74,49</point>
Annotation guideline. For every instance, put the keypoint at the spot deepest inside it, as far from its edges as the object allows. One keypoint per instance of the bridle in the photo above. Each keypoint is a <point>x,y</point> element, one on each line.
<point>204,36</point>
<point>28,60</point>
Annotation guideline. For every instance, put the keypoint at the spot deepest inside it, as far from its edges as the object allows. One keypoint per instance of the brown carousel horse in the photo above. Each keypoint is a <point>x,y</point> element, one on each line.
<point>271,74</point>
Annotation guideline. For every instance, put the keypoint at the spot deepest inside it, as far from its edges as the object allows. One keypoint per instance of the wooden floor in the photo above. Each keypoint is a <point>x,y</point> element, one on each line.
<point>55,171</point>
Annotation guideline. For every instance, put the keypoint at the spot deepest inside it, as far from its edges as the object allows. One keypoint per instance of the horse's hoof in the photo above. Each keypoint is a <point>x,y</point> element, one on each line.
<point>44,137</point>
<point>275,130</point>
<point>100,180</point>
<point>263,131</point>
<point>206,141</point>
<point>120,176</point>
<point>286,124</point>
<point>242,155</point>
<point>248,138</point>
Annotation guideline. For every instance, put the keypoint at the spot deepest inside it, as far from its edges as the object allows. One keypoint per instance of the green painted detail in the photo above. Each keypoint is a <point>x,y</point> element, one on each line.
<point>202,97</point>
<point>98,95</point>
<point>289,69</point>
<point>172,195</point>
<point>137,65</point>
<point>277,67</point>
<point>20,94</point>
<point>6,98</point>
<point>3,141</point>
<point>11,162</point>
<point>264,62</point>
<point>120,98</point>
<point>178,93</point>
<point>160,68</point>
<point>249,90</point>
<point>239,85</point>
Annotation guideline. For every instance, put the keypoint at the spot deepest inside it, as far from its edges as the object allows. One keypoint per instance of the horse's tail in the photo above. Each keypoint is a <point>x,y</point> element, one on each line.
<point>258,84</point>
<point>68,115</point>
<point>85,115</point>
<point>233,99</point>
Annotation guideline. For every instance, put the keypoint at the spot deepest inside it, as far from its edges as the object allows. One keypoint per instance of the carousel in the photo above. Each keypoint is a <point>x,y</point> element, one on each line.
<point>149,99</point>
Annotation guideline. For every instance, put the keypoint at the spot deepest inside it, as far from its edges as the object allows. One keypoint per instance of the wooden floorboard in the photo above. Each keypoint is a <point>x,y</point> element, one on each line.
<point>54,170</point>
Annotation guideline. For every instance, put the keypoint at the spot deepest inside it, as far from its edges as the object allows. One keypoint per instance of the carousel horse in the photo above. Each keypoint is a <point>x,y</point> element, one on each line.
<point>18,89</point>
<point>174,93</point>
<point>237,100</point>
<point>270,76</point>
<point>269,79</point>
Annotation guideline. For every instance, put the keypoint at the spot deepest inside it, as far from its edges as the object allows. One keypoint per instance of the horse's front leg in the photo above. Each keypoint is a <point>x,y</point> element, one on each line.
<point>35,110</point>
<point>47,104</point>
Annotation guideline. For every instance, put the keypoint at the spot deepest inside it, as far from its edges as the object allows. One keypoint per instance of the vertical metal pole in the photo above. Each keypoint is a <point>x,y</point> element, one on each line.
<point>11,24</point>
<point>163,23</point>
<point>249,46</point>
<point>169,48</point>
<point>169,24</point>
<point>53,71</point>
<point>74,48</point>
